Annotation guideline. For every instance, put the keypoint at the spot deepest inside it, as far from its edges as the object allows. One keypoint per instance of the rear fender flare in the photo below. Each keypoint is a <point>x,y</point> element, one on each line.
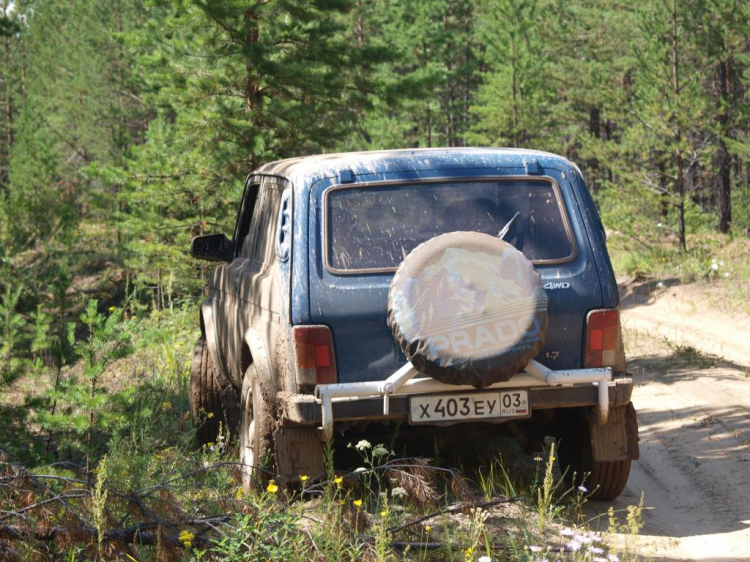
<point>260,359</point>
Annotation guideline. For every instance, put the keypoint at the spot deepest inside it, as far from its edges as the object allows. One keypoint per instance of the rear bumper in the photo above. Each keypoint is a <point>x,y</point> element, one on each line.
<point>389,400</point>
<point>305,409</point>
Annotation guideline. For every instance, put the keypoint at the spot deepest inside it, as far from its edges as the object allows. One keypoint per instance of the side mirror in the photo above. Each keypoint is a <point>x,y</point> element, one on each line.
<point>212,247</point>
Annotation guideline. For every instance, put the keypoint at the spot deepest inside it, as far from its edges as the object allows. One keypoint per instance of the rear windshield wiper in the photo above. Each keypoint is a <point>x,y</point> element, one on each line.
<point>507,226</point>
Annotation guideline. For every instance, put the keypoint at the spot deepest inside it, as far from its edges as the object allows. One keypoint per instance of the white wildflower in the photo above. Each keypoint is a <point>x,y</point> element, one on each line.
<point>398,492</point>
<point>379,451</point>
<point>574,545</point>
<point>484,559</point>
<point>362,445</point>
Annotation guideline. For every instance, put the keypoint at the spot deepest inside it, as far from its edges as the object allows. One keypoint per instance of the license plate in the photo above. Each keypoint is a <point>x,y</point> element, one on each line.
<point>469,406</point>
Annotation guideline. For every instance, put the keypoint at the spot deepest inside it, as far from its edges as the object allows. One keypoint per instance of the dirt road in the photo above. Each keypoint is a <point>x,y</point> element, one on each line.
<point>692,364</point>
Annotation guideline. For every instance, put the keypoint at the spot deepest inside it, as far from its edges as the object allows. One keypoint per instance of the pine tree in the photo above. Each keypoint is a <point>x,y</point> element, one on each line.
<point>589,46</point>
<point>13,362</point>
<point>80,399</point>
<point>10,79</point>
<point>80,106</point>
<point>668,132</point>
<point>723,34</point>
<point>514,102</point>
<point>236,85</point>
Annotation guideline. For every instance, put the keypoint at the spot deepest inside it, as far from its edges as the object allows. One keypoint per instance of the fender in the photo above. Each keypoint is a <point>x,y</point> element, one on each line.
<point>260,358</point>
<point>209,328</point>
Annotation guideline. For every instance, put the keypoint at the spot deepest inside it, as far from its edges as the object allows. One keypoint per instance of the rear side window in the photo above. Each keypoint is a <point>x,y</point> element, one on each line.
<point>372,228</point>
<point>267,214</point>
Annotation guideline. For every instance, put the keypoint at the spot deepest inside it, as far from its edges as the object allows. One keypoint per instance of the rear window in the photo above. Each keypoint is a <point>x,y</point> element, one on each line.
<point>375,227</point>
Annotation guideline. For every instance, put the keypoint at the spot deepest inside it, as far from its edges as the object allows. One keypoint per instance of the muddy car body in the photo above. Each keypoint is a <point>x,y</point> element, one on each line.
<point>297,343</point>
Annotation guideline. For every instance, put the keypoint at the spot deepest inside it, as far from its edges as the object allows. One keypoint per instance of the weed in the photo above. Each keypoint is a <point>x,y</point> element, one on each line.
<point>496,480</point>
<point>546,490</point>
<point>98,503</point>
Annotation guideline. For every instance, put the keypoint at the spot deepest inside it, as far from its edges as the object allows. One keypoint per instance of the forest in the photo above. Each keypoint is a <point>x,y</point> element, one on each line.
<point>127,127</point>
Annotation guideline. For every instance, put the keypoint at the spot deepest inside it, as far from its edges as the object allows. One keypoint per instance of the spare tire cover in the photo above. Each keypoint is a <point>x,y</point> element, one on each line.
<point>468,309</point>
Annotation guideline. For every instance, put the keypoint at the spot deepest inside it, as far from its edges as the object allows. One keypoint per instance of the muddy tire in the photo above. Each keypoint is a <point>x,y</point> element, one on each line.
<point>604,480</point>
<point>256,433</point>
<point>214,405</point>
<point>467,309</point>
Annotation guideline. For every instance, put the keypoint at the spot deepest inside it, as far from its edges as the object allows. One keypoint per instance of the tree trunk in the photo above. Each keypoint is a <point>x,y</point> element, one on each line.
<point>680,188</point>
<point>664,195</point>
<point>724,161</point>
<point>253,95</point>
<point>594,131</point>
<point>679,160</point>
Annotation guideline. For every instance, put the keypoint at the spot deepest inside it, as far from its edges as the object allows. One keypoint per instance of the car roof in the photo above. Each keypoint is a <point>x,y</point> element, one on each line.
<point>311,168</point>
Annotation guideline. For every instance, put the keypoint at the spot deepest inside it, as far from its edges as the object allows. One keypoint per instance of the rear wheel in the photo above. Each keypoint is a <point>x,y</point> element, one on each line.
<point>214,406</point>
<point>256,434</point>
<point>604,480</point>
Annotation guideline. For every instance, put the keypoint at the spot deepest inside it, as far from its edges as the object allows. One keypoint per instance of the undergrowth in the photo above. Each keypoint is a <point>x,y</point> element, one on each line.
<point>150,494</point>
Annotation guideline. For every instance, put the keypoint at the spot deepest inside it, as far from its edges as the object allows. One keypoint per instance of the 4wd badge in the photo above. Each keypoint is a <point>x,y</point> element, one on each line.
<point>549,286</point>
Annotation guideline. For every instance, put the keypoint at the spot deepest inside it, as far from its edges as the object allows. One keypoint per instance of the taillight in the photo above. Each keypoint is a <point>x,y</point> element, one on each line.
<point>313,355</point>
<point>602,338</point>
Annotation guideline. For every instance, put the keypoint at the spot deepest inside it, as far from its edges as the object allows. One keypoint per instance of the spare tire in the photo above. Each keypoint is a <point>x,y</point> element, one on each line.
<point>467,309</point>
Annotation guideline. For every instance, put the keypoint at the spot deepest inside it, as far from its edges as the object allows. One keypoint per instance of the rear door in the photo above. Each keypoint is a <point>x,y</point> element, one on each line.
<point>360,232</point>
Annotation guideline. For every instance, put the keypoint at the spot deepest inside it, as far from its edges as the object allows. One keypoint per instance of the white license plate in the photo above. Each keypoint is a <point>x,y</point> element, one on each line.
<point>469,406</point>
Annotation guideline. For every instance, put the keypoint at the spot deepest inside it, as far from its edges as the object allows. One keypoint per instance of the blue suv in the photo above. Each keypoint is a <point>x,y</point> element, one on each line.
<point>434,287</point>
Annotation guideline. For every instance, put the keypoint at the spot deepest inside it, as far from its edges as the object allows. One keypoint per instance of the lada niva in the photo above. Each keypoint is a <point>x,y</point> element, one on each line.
<point>432,287</point>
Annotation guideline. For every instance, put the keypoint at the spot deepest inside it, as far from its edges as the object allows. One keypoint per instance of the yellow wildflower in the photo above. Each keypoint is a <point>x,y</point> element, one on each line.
<point>428,528</point>
<point>383,513</point>
<point>272,487</point>
<point>239,494</point>
<point>186,538</point>
<point>303,478</point>
<point>209,415</point>
<point>111,308</point>
<point>357,503</point>
<point>552,459</point>
<point>166,405</point>
<point>338,480</point>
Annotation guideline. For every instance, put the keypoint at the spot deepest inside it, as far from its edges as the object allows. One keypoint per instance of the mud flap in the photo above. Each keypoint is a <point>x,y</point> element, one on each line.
<point>617,440</point>
<point>299,452</point>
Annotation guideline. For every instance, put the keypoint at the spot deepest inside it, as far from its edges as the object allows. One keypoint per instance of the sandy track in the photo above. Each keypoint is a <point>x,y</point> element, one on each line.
<point>694,417</point>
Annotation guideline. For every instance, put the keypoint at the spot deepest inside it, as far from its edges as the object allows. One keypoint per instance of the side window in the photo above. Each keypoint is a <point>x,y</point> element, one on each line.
<point>245,227</point>
<point>267,223</point>
<point>284,226</point>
